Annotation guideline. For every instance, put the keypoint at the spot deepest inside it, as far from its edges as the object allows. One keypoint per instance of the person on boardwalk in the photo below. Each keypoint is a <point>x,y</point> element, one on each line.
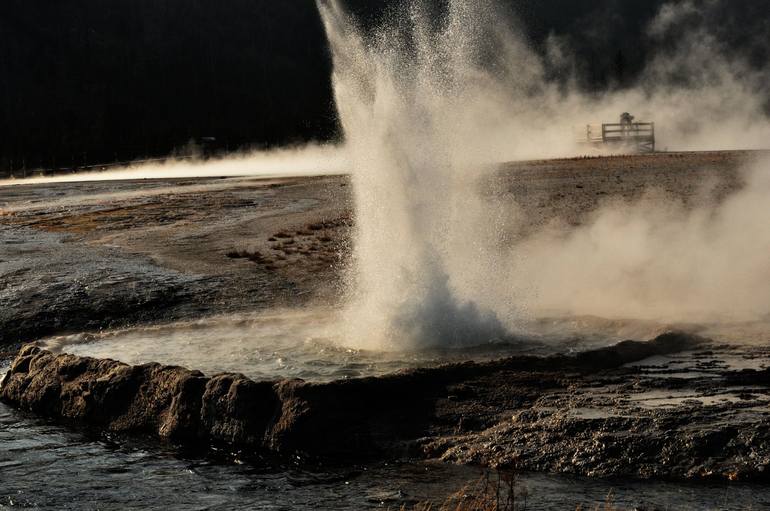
<point>626,123</point>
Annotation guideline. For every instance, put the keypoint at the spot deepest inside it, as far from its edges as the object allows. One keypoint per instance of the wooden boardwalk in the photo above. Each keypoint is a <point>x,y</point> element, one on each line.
<point>639,136</point>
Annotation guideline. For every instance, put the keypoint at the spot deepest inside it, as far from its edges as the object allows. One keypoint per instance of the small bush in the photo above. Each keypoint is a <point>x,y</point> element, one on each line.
<point>255,256</point>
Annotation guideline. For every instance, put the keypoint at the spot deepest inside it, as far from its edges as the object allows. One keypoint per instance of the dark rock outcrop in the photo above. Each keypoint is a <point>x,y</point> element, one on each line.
<point>749,377</point>
<point>342,419</point>
<point>345,418</point>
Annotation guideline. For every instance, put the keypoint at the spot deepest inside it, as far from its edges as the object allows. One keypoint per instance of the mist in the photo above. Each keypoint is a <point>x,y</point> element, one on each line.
<point>306,160</point>
<point>655,259</point>
<point>429,107</point>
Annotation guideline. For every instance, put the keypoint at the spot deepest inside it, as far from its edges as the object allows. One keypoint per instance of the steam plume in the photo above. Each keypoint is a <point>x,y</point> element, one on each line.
<point>428,106</point>
<point>306,160</point>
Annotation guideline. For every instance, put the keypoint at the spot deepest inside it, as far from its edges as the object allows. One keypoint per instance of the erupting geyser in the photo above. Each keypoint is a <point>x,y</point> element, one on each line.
<point>431,99</point>
<point>410,100</point>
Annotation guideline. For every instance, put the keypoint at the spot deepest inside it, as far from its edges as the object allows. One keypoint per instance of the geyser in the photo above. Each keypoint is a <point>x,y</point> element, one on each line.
<point>430,103</point>
<point>409,98</point>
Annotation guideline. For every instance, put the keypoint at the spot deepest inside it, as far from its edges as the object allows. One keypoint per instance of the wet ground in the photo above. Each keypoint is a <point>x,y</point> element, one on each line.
<point>696,414</point>
<point>87,471</point>
<point>95,255</point>
<point>90,256</point>
<point>48,466</point>
<point>117,267</point>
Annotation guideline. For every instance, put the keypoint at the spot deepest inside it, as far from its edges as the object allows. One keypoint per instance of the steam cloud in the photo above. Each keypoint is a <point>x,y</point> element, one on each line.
<point>311,159</point>
<point>429,106</point>
<point>654,259</point>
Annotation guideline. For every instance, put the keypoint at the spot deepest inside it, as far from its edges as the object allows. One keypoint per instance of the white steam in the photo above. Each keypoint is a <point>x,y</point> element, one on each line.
<point>406,115</point>
<point>306,160</point>
<point>428,105</point>
<point>654,259</point>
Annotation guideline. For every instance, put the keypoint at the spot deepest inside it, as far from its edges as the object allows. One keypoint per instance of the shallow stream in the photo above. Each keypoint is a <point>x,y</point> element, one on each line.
<point>44,465</point>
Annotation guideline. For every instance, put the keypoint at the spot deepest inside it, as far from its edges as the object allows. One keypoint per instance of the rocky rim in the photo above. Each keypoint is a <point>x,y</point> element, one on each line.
<point>581,414</point>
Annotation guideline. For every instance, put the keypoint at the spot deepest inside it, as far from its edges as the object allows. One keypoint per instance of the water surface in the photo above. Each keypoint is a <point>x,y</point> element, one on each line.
<point>46,466</point>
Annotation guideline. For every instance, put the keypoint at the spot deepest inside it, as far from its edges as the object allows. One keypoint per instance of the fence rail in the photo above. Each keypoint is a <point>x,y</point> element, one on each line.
<point>638,135</point>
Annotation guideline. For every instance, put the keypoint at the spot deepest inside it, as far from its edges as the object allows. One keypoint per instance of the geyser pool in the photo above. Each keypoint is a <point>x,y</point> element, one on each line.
<point>264,346</point>
<point>309,343</point>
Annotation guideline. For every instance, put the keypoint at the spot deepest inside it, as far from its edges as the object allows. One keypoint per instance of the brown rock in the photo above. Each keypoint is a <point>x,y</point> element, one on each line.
<point>349,418</point>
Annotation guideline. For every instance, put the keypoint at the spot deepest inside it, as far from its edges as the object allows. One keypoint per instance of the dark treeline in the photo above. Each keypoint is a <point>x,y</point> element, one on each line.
<point>88,81</point>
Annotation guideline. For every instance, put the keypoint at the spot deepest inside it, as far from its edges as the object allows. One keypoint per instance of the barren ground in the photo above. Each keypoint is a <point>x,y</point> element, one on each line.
<point>95,255</point>
<point>90,256</point>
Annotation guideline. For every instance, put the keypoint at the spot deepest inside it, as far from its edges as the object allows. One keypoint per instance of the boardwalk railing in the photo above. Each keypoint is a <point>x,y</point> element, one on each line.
<point>637,135</point>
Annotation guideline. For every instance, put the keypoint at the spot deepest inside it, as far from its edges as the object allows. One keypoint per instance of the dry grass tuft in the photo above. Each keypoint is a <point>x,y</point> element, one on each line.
<point>500,491</point>
<point>492,492</point>
<point>255,256</point>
